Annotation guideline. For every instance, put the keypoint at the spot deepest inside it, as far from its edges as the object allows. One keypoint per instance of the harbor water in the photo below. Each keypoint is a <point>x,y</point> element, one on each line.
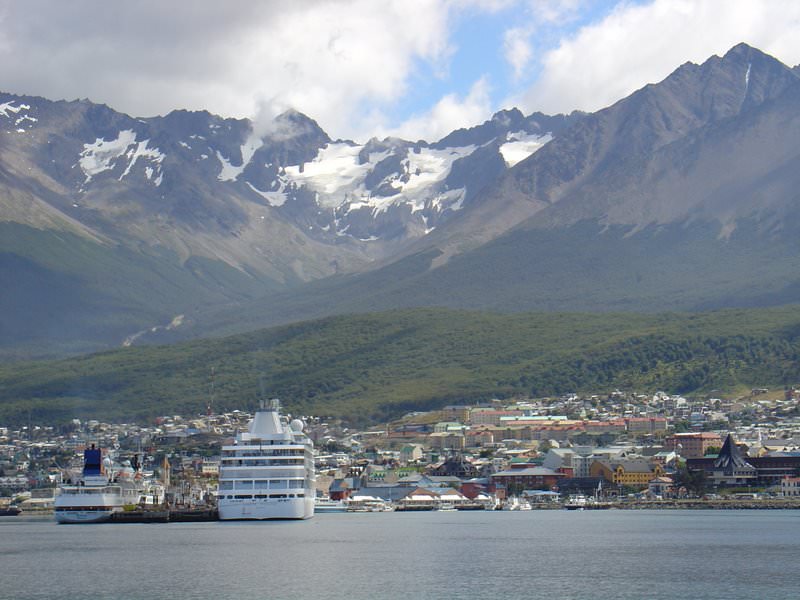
<point>535,554</point>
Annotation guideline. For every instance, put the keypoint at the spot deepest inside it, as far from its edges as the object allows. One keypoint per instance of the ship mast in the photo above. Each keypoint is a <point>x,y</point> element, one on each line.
<point>210,401</point>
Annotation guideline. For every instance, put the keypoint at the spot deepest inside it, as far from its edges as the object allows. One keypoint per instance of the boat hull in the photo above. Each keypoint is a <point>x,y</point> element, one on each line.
<point>330,507</point>
<point>71,516</point>
<point>263,509</point>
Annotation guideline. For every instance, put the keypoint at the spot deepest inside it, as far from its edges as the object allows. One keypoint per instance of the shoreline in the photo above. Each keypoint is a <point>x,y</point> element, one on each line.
<point>692,504</point>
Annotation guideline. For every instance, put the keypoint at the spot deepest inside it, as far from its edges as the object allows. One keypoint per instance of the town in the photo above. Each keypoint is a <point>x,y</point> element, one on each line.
<point>613,450</point>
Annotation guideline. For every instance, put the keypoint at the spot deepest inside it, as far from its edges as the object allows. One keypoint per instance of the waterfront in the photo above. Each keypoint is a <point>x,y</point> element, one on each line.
<point>536,554</point>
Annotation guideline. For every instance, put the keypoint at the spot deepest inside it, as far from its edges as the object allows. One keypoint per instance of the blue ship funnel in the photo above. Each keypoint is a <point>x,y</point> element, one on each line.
<point>92,461</point>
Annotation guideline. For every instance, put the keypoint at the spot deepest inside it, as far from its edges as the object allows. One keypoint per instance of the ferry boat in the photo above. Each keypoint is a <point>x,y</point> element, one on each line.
<point>268,473</point>
<point>98,493</point>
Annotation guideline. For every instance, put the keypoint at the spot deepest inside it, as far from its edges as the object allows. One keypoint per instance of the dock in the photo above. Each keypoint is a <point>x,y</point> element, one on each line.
<point>165,516</point>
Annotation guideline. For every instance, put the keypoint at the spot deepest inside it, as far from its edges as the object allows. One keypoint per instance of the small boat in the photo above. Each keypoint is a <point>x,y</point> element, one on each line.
<point>368,504</point>
<point>326,505</point>
<point>10,511</point>
<point>576,502</point>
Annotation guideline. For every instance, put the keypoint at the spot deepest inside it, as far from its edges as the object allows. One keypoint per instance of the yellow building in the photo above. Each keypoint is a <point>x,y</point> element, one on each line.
<point>627,472</point>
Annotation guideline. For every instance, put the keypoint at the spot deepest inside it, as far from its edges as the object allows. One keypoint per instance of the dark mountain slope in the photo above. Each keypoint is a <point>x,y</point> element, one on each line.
<point>373,367</point>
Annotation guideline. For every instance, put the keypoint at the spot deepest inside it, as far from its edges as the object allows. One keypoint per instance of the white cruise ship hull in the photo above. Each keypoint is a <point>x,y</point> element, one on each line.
<point>87,505</point>
<point>84,516</point>
<point>268,472</point>
<point>261,509</point>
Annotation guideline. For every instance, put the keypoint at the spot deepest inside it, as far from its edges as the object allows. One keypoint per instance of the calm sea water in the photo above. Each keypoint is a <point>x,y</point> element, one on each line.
<point>537,554</point>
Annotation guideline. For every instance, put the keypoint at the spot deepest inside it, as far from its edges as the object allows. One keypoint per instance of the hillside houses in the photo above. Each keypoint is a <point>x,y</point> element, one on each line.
<point>619,443</point>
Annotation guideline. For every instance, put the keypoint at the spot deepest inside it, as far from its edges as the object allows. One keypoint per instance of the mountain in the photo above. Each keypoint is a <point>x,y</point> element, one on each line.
<point>680,196</point>
<point>114,227</point>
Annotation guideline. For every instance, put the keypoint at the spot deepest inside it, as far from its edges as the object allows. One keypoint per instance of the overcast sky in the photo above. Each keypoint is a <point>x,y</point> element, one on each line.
<point>414,68</point>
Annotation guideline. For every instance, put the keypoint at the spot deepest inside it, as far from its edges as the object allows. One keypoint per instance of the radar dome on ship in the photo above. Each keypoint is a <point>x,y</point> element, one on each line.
<point>297,425</point>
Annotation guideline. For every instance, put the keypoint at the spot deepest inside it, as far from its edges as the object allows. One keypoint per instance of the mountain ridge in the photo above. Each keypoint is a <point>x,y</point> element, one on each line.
<point>691,177</point>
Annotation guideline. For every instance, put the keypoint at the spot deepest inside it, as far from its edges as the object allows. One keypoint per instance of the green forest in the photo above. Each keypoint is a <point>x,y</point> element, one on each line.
<point>370,367</point>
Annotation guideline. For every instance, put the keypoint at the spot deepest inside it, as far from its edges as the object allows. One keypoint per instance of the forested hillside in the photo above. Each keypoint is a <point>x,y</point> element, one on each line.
<point>370,367</point>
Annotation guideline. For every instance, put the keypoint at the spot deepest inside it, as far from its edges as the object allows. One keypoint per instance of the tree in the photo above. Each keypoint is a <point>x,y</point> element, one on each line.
<point>693,481</point>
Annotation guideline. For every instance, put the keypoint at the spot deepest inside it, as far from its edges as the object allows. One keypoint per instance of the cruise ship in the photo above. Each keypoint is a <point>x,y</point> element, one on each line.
<point>268,473</point>
<point>97,494</point>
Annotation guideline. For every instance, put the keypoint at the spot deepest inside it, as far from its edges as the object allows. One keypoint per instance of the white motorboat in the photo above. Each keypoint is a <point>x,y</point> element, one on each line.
<point>326,505</point>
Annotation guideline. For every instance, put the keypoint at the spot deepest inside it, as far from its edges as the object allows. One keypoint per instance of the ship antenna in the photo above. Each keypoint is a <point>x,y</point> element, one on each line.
<point>210,395</point>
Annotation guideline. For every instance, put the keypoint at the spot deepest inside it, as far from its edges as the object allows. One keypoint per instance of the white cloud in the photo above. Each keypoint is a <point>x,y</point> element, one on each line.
<point>642,43</point>
<point>449,113</point>
<point>517,49</point>
<point>350,64</point>
<point>325,58</point>
<point>539,24</point>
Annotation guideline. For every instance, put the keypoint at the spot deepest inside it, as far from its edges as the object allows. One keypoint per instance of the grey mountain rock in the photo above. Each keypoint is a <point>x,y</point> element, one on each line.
<point>680,196</point>
<point>236,208</point>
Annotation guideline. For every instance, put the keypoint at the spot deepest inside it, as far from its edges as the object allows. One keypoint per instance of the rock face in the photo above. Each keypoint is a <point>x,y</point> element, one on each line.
<point>680,196</point>
<point>203,211</point>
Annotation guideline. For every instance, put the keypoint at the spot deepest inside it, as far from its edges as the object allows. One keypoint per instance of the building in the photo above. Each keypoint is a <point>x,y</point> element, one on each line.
<point>693,445</point>
<point>209,468</point>
<point>730,467</point>
<point>447,441</point>
<point>660,486</point>
<point>646,425</point>
<point>579,459</point>
<point>455,465</point>
<point>458,413</point>
<point>630,472</point>
<point>410,453</point>
<point>790,486</point>
<point>490,416</point>
<point>527,478</point>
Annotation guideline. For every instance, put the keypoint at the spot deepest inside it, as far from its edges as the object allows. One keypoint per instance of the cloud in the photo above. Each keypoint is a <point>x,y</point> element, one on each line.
<point>449,113</point>
<point>638,44</point>
<point>540,24</point>
<point>325,58</point>
<point>517,49</point>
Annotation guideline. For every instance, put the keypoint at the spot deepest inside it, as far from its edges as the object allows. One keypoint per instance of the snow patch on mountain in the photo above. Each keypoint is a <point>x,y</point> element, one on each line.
<point>747,78</point>
<point>521,145</point>
<point>103,155</point>
<point>273,198</point>
<point>98,157</point>
<point>22,120</point>
<point>335,173</point>
<point>429,166</point>
<point>7,107</point>
<point>337,176</point>
<point>230,172</point>
<point>142,151</point>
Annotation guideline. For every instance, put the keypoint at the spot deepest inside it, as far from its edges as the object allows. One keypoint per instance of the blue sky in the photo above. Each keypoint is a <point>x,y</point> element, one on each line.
<point>413,68</point>
<point>477,39</point>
